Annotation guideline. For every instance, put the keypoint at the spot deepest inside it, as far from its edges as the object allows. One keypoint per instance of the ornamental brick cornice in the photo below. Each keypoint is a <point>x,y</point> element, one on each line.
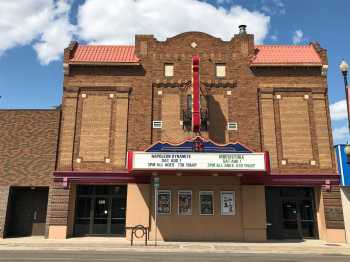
<point>116,87</point>
<point>184,84</point>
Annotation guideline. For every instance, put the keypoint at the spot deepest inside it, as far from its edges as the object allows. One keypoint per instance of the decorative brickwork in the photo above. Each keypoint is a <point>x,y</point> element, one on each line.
<point>172,131</point>
<point>65,156</point>
<point>333,208</point>
<point>95,128</point>
<point>120,130</point>
<point>322,131</point>
<point>292,128</point>
<point>269,127</point>
<point>218,118</point>
<point>295,129</point>
<point>58,207</point>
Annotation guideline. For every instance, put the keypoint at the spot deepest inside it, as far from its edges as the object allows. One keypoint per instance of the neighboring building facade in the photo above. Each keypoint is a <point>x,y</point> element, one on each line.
<point>343,167</point>
<point>28,150</point>
<point>261,165</point>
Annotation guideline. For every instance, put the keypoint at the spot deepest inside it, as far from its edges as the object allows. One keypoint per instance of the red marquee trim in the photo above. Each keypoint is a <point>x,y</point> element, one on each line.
<point>267,162</point>
<point>130,160</point>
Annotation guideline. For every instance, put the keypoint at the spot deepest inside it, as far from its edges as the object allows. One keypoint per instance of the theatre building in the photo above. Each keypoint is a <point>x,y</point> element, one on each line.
<point>237,136</point>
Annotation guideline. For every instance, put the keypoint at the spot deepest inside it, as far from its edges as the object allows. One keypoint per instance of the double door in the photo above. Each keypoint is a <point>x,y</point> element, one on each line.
<point>100,210</point>
<point>298,218</point>
<point>290,213</point>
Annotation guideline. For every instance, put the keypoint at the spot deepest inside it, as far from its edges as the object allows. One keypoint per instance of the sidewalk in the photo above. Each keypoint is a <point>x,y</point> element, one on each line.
<point>120,244</point>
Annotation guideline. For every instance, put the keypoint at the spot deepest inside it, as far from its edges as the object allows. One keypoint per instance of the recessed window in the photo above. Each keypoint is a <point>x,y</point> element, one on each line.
<point>189,102</point>
<point>232,126</point>
<point>220,70</point>
<point>157,124</point>
<point>168,70</point>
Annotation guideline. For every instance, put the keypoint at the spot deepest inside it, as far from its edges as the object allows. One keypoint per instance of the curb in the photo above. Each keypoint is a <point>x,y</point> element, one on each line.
<point>182,249</point>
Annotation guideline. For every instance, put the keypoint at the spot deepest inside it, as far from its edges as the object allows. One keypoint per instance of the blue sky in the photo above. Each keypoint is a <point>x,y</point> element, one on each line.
<point>35,33</point>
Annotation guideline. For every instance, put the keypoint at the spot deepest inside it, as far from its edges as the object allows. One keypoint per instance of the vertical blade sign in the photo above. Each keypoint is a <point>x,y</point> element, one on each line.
<point>196,114</point>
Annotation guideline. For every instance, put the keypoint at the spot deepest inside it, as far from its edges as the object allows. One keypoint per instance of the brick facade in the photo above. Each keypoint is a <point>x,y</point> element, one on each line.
<point>280,109</point>
<point>28,146</point>
<point>108,109</point>
<point>27,153</point>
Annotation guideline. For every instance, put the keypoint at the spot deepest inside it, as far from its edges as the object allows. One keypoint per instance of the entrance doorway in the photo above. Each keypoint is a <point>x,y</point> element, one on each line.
<point>290,213</point>
<point>100,210</point>
<point>26,215</point>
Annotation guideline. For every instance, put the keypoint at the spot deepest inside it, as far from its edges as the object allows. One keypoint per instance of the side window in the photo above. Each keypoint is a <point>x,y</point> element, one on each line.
<point>168,70</point>
<point>189,102</point>
<point>220,70</point>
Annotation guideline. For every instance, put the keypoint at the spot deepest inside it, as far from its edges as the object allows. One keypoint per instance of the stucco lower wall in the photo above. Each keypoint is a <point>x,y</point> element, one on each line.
<point>215,227</point>
<point>326,234</point>
<point>57,232</point>
<point>137,206</point>
<point>254,213</point>
<point>321,223</point>
<point>345,197</point>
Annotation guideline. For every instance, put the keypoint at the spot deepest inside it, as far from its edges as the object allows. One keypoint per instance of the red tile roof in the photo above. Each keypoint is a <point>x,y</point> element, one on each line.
<point>286,55</point>
<point>265,54</point>
<point>104,54</point>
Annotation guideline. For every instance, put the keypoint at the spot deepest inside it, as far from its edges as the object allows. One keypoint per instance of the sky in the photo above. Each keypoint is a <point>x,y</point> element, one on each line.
<point>35,32</point>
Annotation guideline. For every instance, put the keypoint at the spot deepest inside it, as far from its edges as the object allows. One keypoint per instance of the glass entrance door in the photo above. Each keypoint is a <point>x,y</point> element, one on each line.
<point>307,223</point>
<point>290,218</point>
<point>100,210</point>
<point>290,213</point>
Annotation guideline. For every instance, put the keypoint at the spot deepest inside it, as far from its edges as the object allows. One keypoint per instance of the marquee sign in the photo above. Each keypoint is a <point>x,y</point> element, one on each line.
<point>197,161</point>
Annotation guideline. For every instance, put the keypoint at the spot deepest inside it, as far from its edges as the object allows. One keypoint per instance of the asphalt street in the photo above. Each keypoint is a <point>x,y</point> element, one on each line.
<point>133,256</point>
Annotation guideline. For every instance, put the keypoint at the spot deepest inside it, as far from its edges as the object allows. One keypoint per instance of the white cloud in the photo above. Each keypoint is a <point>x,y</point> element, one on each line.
<point>23,22</point>
<point>45,25</point>
<point>273,7</point>
<point>340,134</point>
<point>116,22</point>
<point>338,110</point>
<point>222,2</point>
<point>298,37</point>
<point>274,38</point>
<point>56,36</point>
<point>280,5</point>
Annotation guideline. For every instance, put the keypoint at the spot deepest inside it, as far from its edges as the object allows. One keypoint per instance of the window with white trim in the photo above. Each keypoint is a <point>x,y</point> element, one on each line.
<point>157,124</point>
<point>220,70</point>
<point>168,70</point>
<point>232,126</point>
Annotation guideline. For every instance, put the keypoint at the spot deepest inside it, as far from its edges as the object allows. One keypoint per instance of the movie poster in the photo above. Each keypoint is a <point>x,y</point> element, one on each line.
<point>185,202</point>
<point>228,203</point>
<point>164,202</point>
<point>206,203</point>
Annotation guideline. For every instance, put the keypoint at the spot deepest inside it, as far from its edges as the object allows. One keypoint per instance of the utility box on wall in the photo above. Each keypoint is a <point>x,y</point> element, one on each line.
<point>343,162</point>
